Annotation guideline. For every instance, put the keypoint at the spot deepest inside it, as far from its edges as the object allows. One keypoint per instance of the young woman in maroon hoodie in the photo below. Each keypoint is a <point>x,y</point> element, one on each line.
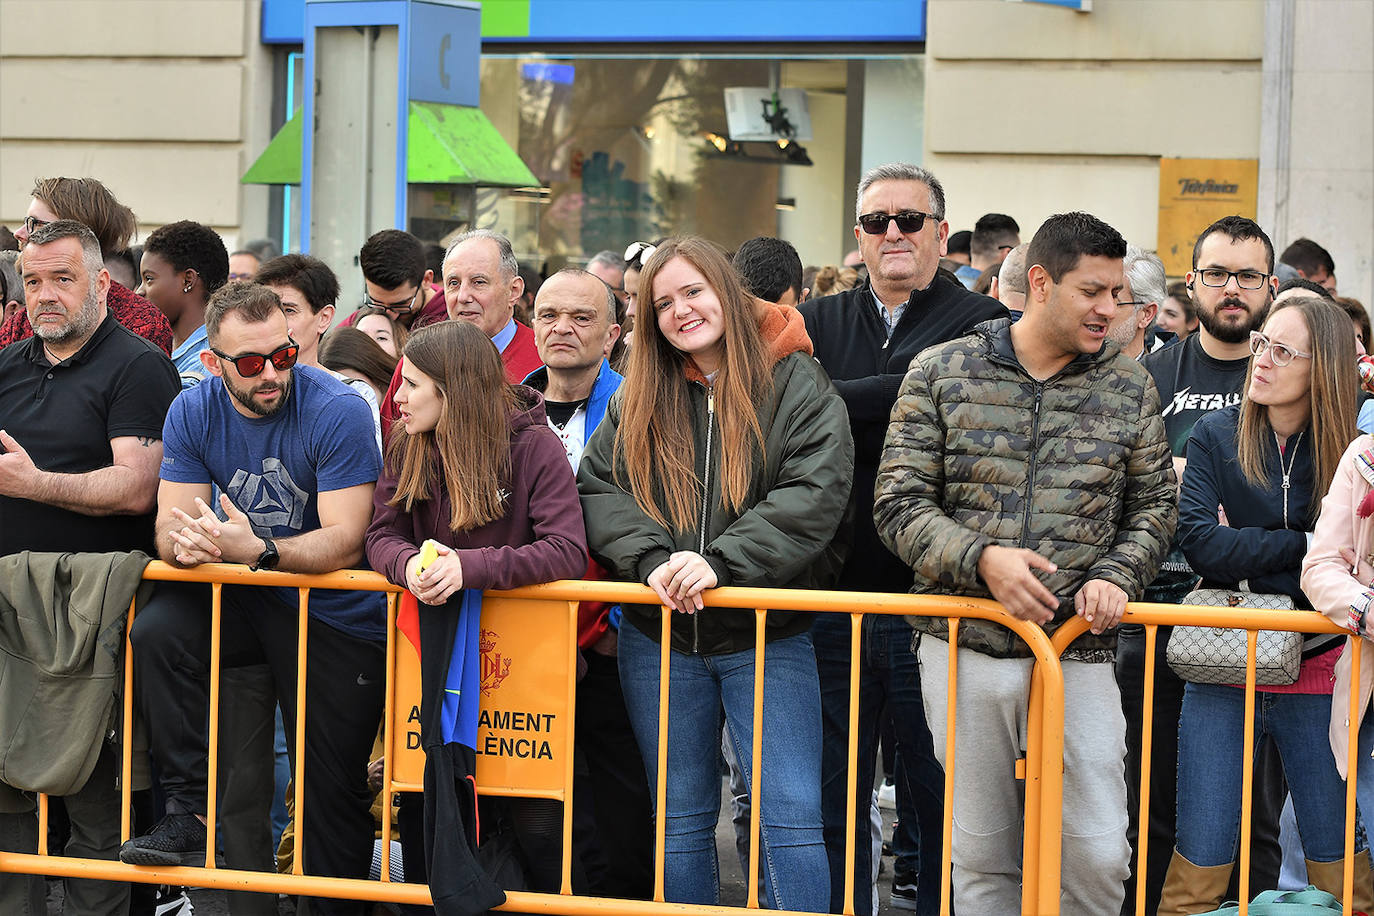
<point>471,464</point>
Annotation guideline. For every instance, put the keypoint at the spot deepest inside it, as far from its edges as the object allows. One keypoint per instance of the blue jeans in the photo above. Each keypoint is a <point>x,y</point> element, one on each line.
<point>793,859</point>
<point>1211,734</point>
<point>889,684</point>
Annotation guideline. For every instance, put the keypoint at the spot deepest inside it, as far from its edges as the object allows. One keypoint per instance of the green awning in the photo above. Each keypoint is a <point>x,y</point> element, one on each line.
<point>448,144</point>
<point>280,163</point>
<point>452,144</point>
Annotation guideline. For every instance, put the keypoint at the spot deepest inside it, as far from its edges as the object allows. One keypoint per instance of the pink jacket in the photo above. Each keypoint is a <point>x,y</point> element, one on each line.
<point>1331,585</point>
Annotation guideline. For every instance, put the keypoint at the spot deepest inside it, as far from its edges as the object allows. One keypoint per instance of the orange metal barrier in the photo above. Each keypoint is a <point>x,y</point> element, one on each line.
<point>1152,616</point>
<point>1043,766</point>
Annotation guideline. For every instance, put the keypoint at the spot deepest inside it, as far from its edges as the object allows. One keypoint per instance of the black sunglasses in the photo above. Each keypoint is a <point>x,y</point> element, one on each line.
<point>907,221</point>
<point>250,365</point>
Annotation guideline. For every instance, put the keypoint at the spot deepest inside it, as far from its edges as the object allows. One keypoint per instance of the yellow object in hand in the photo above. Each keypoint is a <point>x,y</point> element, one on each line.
<point>429,552</point>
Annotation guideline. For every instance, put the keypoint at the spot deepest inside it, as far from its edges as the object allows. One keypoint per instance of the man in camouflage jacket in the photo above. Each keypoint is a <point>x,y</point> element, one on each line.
<point>1028,463</point>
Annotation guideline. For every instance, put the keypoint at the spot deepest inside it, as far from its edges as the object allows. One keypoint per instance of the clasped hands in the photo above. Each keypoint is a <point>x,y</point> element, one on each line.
<point>439,580</point>
<point>206,538</point>
<point>680,581</point>
<point>1007,572</point>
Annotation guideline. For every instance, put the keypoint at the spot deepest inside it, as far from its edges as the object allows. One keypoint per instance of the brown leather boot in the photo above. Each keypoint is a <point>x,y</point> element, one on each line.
<point>1190,888</point>
<point>1330,877</point>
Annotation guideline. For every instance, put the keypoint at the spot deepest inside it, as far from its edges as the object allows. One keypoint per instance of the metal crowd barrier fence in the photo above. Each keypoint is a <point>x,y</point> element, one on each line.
<point>542,612</point>
<point>1153,616</point>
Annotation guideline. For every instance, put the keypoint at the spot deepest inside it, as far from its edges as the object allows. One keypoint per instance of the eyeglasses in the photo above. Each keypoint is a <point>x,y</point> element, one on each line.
<point>250,365</point>
<point>33,223</point>
<point>1245,279</point>
<point>1280,354</point>
<point>1133,303</point>
<point>639,252</point>
<point>404,306</point>
<point>907,221</point>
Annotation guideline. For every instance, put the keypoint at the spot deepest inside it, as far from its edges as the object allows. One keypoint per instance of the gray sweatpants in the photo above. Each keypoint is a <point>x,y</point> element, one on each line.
<point>990,734</point>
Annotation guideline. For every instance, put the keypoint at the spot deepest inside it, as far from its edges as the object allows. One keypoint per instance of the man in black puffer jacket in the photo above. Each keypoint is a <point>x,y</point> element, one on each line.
<point>865,338</point>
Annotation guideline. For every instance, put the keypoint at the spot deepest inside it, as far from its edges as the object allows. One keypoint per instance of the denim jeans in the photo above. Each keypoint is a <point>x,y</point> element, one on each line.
<point>1210,743</point>
<point>793,853</point>
<point>889,685</point>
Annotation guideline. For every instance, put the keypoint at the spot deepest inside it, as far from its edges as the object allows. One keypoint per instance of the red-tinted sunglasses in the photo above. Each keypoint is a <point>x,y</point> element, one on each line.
<point>252,364</point>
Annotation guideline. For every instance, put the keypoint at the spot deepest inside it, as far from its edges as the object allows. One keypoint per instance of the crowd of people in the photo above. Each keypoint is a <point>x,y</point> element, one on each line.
<point>1049,424</point>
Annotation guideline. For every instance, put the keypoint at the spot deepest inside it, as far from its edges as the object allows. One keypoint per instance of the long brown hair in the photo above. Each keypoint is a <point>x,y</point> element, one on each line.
<point>470,447</point>
<point>1333,394</point>
<point>654,439</point>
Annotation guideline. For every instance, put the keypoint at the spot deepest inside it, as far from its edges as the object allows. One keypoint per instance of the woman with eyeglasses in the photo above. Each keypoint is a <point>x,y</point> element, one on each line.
<point>1247,507</point>
<point>726,459</point>
<point>472,465</point>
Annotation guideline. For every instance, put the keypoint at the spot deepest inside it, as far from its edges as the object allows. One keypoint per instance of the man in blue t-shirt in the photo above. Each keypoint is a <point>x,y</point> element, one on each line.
<point>292,455</point>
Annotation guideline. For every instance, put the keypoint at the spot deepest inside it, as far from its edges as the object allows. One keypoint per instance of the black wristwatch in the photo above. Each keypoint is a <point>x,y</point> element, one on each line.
<point>269,557</point>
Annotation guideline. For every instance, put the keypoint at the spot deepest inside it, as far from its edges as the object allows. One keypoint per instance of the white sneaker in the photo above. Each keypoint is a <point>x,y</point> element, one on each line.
<point>887,795</point>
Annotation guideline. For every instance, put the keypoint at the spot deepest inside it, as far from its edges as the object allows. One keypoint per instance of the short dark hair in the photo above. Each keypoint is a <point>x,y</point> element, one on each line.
<point>1064,238</point>
<point>309,276</point>
<point>1310,286</point>
<point>252,301</point>
<point>188,245</point>
<point>392,259</point>
<point>769,267</point>
<point>1356,310</point>
<point>992,231</point>
<point>1239,228</point>
<point>959,242</point>
<point>1308,257</point>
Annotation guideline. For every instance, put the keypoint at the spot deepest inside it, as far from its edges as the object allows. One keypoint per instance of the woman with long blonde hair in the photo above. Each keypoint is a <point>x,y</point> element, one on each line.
<point>726,459</point>
<point>1255,477</point>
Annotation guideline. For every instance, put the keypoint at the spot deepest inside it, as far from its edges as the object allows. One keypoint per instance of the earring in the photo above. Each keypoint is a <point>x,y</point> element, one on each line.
<point>187,288</point>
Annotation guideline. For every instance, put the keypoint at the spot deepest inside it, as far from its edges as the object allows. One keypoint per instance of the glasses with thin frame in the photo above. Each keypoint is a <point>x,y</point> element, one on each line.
<point>1217,278</point>
<point>908,221</point>
<point>251,365</point>
<point>402,306</point>
<point>1280,354</point>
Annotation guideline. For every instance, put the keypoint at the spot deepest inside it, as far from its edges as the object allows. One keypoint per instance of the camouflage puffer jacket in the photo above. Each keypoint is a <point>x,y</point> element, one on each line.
<point>1076,468</point>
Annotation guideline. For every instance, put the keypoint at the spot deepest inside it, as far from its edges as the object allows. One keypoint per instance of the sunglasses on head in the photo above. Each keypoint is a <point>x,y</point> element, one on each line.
<point>251,364</point>
<point>639,252</point>
<point>907,221</point>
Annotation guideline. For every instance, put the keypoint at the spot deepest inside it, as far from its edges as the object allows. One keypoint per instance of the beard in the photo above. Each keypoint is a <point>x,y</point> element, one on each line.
<point>245,395</point>
<point>1232,332</point>
<point>78,326</point>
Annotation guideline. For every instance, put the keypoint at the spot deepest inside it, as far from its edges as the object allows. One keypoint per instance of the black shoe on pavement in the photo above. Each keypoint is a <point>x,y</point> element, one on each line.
<point>177,839</point>
<point>903,891</point>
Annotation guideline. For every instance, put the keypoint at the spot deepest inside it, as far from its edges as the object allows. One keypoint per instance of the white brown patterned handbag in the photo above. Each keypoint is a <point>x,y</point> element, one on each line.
<point>1216,655</point>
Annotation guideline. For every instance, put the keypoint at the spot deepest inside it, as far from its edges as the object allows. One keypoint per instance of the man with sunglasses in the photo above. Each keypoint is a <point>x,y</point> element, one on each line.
<point>291,451</point>
<point>82,404</point>
<point>865,338</point>
<point>396,280</point>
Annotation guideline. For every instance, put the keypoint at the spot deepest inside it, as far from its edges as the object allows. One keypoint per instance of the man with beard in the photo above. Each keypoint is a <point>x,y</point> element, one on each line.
<point>291,451</point>
<point>1232,285</point>
<point>81,409</point>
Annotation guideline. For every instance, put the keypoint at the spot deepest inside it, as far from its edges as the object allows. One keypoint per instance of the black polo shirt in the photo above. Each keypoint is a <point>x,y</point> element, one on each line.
<point>65,415</point>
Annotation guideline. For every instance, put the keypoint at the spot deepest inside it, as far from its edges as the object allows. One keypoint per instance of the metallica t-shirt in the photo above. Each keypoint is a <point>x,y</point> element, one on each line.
<point>1192,384</point>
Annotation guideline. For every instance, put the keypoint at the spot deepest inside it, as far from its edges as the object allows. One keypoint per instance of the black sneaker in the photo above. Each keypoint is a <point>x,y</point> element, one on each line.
<point>904,891</point>
<point>177,839</point>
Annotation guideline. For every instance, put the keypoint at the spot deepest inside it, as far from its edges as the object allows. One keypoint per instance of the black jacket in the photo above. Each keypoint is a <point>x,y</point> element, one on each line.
<point>1254,544</point>
<point>867,369</point>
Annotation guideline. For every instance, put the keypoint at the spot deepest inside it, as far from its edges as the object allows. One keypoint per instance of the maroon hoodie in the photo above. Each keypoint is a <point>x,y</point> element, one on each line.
<point>540,538</point>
